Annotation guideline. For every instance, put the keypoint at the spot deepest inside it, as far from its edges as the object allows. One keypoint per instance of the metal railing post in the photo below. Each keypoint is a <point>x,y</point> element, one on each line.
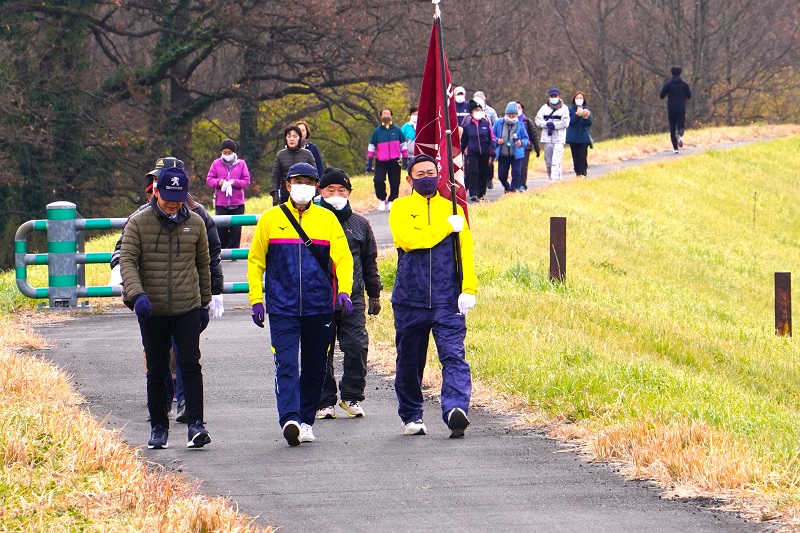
<point>62,268</point>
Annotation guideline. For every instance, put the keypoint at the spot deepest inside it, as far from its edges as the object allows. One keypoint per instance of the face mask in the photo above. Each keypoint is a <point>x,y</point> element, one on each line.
<point>386,120</point>
<point>425,186</point>
<point>337,202</point>
<point>302,194</point>
<point>554,101</point>
<point>478,115</point>
<point>511,120</point>
<point>579,101</point>
<point>413,120</point>
<point>228,158</point>
<point>459,98</point>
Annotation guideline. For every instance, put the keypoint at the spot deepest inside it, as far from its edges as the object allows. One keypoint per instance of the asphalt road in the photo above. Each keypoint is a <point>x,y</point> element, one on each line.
<point>360,474</point>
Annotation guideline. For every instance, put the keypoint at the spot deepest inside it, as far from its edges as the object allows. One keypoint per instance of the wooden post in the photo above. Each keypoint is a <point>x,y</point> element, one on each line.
<point>558,249</point>
<point>783,303</point>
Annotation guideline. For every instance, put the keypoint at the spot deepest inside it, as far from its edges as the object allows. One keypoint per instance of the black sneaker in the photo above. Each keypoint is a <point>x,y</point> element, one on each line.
<point>198,436</point>
<point>457,421</point>
<point>181,416</point>
<point>158,437</point>
<point>680,141</point>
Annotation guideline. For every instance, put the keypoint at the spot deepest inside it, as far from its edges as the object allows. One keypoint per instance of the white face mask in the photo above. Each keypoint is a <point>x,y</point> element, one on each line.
<point>338,202</point>
<point>579,101</point>
<point>478,115</point>
<point>302,194</point>
<point>459,98</point>
<point>413,120</point>
<point>229,158</point>
<point>554,101</point>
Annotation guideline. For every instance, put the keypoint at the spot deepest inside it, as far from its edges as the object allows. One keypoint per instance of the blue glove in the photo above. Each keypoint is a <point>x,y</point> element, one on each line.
<point>370,168</point>
<point>345,303</point>
<point>142,307</point>
<point>258,314</point>
<point>203,318</point>
<point>550,128</point>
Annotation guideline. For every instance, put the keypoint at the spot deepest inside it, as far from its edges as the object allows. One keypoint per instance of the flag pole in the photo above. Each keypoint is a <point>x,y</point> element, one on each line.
<point>437,17</point>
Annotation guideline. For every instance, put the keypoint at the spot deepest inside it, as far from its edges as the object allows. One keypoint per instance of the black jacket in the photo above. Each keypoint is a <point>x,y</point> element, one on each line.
<point>677,92</point>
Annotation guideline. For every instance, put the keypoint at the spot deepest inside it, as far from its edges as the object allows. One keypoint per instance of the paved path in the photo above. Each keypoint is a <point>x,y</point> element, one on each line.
<point>360,474</point>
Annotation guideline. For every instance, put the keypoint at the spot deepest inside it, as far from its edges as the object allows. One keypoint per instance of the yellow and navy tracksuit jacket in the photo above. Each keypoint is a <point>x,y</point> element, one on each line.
<point>294,282</point>
<point>426,269</point>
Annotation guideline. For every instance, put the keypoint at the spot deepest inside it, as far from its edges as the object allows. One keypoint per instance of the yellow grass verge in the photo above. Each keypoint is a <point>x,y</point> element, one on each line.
<point>60,470</point>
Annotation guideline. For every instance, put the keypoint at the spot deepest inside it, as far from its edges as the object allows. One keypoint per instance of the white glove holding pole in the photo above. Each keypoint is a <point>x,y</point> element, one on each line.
<point>216,306</point>
<point>457,221</point>
<point>466,302</point>
<point>116,277</point>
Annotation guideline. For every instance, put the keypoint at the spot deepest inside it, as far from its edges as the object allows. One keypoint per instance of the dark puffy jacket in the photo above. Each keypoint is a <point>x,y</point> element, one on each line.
<point>214,247</point>
<point>677,92</point>
<point>311,147</point>
<point>285,159</point>
<point>578,129</point>
<point>477,137</point>
<point>167,260</point>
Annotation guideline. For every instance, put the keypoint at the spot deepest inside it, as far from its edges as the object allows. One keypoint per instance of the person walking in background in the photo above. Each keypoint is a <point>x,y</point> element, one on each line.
<point>553,119</point>
<point>462,107</point>
<point>491,114</point>
<point>429,296</point>
<point>410,130</point>
<point>676,91</point>
<point>291,154</point>
<point>164,262</point>
<point>229,176</point>
<point>351,330</point>
<point>299,291</point>
<point>511,140</point>
<point>388,145</point>
<point>477,142</point>
<point>305,133</point>
<point>578,133</point>
<point>533,145</point>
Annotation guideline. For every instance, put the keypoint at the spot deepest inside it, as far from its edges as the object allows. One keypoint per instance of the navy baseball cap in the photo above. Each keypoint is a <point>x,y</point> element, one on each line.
<point>173,184</point>
<point>302,169</point>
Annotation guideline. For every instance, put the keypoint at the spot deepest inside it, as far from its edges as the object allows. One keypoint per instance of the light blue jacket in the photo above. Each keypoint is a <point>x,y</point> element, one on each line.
<point>522,135</point>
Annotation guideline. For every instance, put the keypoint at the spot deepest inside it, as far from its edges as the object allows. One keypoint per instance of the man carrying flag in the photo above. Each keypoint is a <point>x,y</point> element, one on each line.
<point>435,283</point>
<point>429,296</point>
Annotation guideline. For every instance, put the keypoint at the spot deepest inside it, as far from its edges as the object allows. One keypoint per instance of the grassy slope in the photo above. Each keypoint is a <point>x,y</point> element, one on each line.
<point>666,319</point>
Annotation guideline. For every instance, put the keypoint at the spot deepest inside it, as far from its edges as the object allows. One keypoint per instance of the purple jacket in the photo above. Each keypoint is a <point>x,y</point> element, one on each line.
<point>238,173</point>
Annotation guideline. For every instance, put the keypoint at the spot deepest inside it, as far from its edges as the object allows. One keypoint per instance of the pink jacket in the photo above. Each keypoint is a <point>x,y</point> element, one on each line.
<point>238,173</point>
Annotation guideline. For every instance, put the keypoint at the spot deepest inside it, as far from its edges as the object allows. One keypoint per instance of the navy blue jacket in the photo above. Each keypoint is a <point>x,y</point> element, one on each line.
<point>477,137</point>
<point>677,92</point>
<point>578,129</point>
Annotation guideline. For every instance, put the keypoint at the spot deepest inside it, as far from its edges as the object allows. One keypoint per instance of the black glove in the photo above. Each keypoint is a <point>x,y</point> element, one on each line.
<point>550,128</point>
<point>203,318</point>
<point>405,163</point>
<point>538,153</point>
<point>370,167</point>
<point>374,306</point>
<point>276,198</point>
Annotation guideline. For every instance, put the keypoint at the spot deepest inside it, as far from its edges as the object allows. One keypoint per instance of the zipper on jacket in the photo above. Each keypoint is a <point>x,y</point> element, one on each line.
<point>430,263</point>
<point>300,261</point>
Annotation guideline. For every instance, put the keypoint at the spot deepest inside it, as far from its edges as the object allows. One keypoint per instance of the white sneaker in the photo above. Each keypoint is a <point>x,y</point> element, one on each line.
<point>415,428</point>
<point>388,206</point>
<point>327,412</point>
<point>382,206</point>
<point>291,432</point>
<point>353,408</point>
<point>675,152</point>
<point>306,433</point>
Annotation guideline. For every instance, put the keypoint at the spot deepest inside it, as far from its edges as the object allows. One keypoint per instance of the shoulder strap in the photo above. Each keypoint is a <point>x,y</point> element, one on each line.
<point>307,242</point>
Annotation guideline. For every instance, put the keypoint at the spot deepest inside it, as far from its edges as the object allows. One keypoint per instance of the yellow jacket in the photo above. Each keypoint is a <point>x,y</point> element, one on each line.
<point>294,282</point>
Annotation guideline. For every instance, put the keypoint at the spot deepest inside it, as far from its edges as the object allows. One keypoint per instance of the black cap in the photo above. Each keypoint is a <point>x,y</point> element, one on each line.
<point>419,158</point>
<point>335,176</point>
<point>229,144</point>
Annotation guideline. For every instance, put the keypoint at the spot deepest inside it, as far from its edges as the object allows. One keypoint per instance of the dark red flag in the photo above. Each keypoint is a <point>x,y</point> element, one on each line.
<point>431,138</point>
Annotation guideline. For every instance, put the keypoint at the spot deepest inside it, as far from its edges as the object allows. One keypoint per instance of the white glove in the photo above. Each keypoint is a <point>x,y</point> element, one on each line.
<point>225,187</point>
<point>229,190</point>
<point>116,277</point>
<point>215,306</point>
<point>457,221</point>
<point>466,302</point>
